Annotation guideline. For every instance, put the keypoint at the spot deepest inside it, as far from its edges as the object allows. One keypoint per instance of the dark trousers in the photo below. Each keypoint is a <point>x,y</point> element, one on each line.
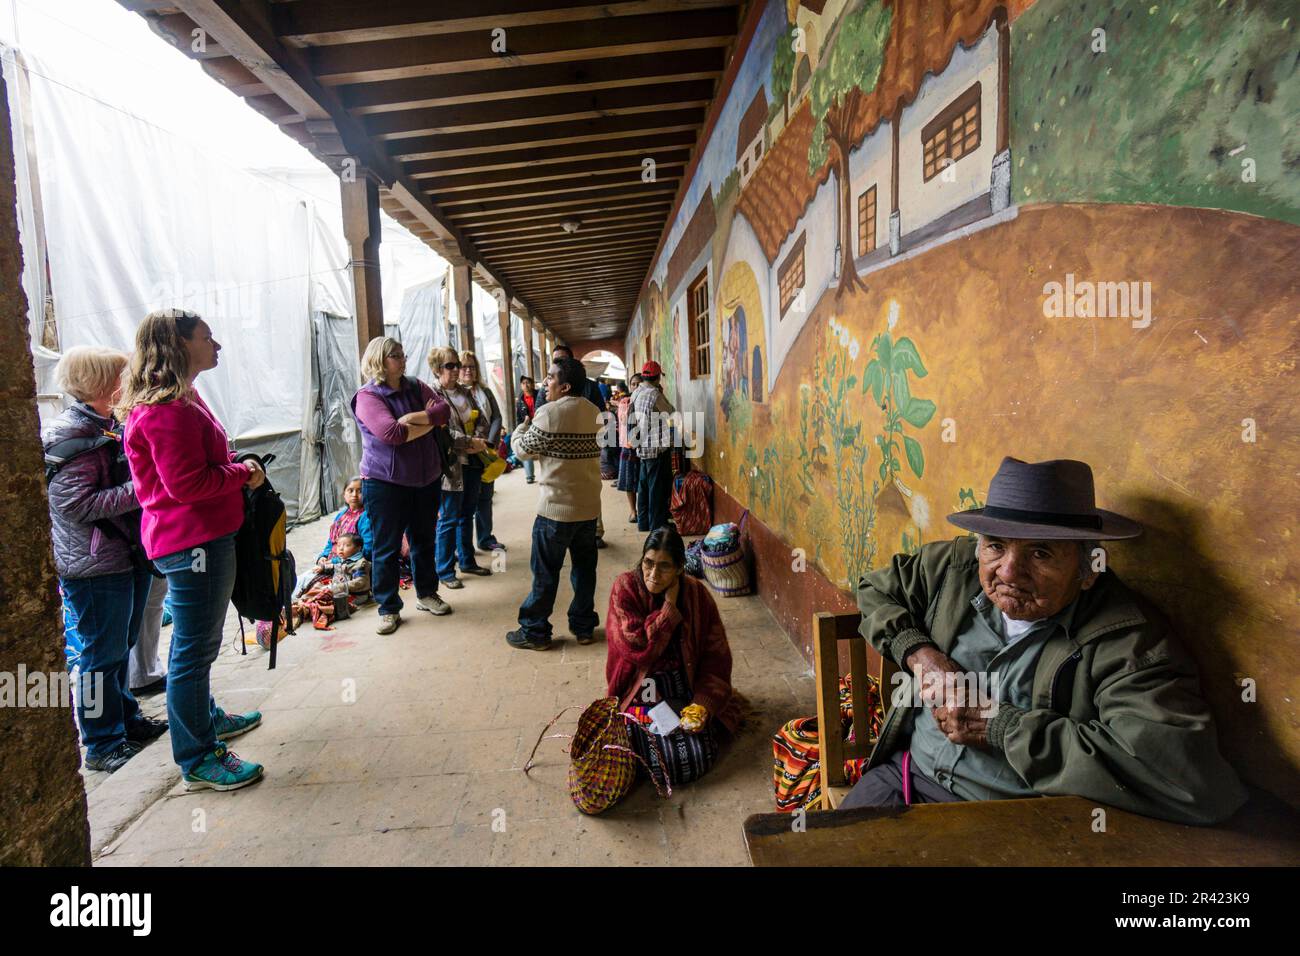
<point>109,610</point>
<point>654,491</point>
<point>551,540</point>
<point>397,510</point>
<point>883,787</point>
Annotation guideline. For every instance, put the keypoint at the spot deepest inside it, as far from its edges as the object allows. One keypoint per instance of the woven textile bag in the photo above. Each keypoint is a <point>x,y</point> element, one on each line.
<point>602,764</point>
<point>692,503</point>
<point>727,571</point>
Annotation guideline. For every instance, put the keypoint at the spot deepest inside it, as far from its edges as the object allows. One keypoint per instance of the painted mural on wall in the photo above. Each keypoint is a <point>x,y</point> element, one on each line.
<point>941,232</point>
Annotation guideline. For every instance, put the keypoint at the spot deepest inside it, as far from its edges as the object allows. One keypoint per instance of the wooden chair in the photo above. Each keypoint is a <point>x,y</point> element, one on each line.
<point>829,630</point>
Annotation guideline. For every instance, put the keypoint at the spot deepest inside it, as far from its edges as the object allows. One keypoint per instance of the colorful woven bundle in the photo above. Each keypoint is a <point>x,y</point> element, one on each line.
<point>603,766</point>
<point>796,763</point>
<point>692,503</point>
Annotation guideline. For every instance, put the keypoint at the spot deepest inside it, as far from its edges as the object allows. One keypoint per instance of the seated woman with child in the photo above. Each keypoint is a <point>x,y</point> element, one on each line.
<point>667,645</point>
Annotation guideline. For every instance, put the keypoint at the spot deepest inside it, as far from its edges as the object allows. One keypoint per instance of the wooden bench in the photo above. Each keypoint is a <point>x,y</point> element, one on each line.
<point>1042,831</point>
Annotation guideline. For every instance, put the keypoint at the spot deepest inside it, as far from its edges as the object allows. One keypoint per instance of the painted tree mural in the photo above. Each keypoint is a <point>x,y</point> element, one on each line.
<point>849,68</point>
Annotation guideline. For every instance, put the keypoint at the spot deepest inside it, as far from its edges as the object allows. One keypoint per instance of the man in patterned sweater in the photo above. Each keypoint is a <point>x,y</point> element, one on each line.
<point>561,438</point>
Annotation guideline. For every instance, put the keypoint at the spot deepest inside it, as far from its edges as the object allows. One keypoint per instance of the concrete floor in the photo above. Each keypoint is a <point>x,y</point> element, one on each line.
<point>408,749</point>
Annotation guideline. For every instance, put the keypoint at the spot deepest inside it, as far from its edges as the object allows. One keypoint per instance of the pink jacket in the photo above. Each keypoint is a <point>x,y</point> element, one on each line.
<point>189,488</point>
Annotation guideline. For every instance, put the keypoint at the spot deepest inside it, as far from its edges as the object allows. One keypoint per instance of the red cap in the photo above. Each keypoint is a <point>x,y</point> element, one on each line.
<point>651,369</point>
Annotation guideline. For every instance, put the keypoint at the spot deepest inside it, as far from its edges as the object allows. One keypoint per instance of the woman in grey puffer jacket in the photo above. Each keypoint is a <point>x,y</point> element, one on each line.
<point>95,520</point>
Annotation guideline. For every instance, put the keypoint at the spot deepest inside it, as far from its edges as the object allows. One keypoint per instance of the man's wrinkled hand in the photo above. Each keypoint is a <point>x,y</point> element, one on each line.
<point>963,725</point>
<point>930,666</point>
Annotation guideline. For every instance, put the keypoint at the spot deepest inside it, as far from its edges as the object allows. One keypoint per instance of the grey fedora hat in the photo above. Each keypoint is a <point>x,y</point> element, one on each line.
<point>1044,500</point>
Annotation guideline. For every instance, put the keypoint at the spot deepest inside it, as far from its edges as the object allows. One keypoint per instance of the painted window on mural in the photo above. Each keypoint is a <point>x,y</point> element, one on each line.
<point>952,134</point>
<point>790,276</point>
<point>867,221</point>
<point>697,307</point>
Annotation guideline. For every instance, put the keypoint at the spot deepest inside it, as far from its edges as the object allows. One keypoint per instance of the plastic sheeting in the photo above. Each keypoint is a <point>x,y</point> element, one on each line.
<point>136,219</point>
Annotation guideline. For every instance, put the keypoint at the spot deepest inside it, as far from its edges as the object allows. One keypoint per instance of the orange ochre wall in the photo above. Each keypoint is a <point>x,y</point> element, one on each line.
<point>1163,414</point>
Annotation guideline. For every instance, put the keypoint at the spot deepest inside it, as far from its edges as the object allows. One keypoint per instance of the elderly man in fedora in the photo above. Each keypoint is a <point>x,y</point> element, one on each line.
<point>1028,670</point>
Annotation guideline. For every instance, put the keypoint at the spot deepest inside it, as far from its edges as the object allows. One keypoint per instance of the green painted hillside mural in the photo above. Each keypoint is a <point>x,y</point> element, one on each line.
<point>1191,103</point>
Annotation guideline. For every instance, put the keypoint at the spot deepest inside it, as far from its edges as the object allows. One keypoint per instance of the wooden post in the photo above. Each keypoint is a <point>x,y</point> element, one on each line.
<point>528,347</point>
<point>462,287</point>
<point>507,362</point>
<point>360,194</point>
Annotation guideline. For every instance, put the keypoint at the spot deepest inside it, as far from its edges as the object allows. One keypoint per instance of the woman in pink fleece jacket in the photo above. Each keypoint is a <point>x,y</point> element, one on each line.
<point>192,494</point>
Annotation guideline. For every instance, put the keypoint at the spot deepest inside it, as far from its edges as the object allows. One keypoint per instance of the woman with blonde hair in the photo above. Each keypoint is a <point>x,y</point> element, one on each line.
<point>192,492</point>
<point>476,507</point>
<point>445,364</point>
<point>95,519</point>
<point>401,467</point>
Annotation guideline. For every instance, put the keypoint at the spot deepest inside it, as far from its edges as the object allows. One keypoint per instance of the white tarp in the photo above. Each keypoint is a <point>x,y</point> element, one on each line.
<point>136,218</point>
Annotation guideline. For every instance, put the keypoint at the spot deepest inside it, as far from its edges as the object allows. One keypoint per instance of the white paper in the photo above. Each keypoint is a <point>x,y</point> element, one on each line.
<point>665,719</point>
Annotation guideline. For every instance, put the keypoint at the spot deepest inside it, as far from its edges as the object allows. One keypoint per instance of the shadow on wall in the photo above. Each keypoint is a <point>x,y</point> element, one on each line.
<point>1206,611</point>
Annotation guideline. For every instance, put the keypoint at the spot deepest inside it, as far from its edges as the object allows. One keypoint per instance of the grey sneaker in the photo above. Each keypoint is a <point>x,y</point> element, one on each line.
<point>454,583</point>
<point>433,604</point>
<point>388,623</point>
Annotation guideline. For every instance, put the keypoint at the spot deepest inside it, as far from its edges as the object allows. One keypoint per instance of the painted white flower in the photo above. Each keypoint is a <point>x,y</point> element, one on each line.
<point>920,511</point>
<point>830,320</point>
<point>893,314</point>
<point>853,350</point>
<point>844,336</point>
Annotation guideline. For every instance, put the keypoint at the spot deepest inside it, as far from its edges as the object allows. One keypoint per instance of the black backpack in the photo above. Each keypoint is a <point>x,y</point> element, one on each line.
<point>264,566</point>
<point>61,452</point>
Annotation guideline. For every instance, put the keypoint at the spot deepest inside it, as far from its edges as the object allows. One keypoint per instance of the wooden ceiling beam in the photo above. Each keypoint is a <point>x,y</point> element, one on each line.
<point>580,131</point>
<point>585,261</point>
<point>331,22</point>
<point>529,158</point>
<point>553,218</point>
<point>540,110</point>
<point>490,198</point>
<point>485,231</point>
<point>595,251</point>
<point>562,239</point>
<point>576,204</point>
<point>525,46</point>
<point>525,82</point>
<point>454,186</point>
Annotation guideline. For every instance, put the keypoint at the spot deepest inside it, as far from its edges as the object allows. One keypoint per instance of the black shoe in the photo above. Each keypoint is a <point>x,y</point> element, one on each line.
<point>151,688</point>
<point>588,638</point>
<point>145,729</point>
<point>114,760</point>
<point>522,641</point>
<point>477,569</point>
<point>531,481</point>
<point>600,543</point>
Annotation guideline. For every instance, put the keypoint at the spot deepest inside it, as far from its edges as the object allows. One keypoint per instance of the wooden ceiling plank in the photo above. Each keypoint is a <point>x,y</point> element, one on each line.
<point>330,22</point>
<point>554,217</point>
<point>534,111</point>
<point>457,185</point>
<point>487,197</point>
<point>653,189</point>
<point>529,158</point>
<point>524,82</point>
<point>524,46</point>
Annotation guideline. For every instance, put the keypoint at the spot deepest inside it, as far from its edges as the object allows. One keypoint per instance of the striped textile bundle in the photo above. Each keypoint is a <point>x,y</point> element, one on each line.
<point>603,766</point>
<point>796,763</point>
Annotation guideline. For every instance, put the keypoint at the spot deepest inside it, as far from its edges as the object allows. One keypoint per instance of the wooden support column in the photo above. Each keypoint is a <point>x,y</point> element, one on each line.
<point>528,347</point>
<point>507,361</point>
<point>360,193</point>
<point>462,287</point>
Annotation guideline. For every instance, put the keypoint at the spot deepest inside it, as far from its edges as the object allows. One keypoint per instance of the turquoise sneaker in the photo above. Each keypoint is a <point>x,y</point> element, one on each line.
<point>232,725</point>
<point>222,770</point>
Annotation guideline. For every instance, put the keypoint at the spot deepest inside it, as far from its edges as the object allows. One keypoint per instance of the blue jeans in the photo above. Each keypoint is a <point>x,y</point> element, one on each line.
<point>107,613</point>
<point>654,491</point>
<point>551,540</point>
<point>200,581</point>
<point>483,515</point>
<point>528,468</point>
<point>456,522</point>
<point>396,510</point>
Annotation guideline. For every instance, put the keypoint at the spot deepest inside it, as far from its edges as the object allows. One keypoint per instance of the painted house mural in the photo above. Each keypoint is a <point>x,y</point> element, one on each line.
<point>866,317</point>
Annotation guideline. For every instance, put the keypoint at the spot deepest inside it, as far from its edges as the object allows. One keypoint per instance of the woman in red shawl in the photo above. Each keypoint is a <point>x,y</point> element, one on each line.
<point>667,645</point>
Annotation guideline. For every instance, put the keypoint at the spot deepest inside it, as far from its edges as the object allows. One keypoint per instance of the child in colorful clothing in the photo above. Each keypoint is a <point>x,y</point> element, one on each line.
<point>351,519</point>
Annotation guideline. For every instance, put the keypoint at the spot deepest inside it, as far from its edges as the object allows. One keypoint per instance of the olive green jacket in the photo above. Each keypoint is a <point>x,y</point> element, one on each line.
<point>1117,714</point>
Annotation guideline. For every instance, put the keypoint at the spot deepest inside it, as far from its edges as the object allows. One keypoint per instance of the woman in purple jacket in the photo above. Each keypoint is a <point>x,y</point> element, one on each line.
<point>401,472</point>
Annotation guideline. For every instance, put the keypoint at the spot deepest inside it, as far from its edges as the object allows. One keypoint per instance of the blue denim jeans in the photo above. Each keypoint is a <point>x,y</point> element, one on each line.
<point>107,612</point>
<point>456,523</point>
<point>483,515</point>
<point>551,541</point>
<point>654,492</point>
<point>528,468</point>
<point>200,581</point>
<point>396,510</point>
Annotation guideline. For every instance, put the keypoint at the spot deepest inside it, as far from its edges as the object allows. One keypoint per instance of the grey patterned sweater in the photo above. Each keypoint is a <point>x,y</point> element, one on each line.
<point>562,439</point>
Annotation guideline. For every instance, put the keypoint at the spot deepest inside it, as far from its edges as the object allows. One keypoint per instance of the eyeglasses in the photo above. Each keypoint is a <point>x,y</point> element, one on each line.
<point>663,567</point>
<point>451,366</point>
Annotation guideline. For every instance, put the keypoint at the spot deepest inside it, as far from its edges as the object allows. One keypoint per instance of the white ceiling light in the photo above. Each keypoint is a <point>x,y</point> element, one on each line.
<point>570,225</point>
